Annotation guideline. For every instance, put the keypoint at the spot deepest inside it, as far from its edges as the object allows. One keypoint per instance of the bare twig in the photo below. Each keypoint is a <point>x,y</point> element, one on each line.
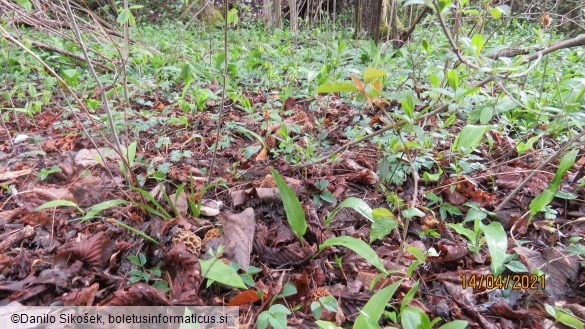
<point>220,112</point>
<point>64,85</point>
<point>551,158</point>
<point>95,77</point>
<point>41,45</point>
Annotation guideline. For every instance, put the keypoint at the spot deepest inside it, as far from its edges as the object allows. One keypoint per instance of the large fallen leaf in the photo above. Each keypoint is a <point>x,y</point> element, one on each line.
<point>55,194</point>
<point>562,268</point>
<point>94,251</point>
<point>183,268</point>
<point>86,158</point>
<point>238,236</point>
<point>138,294</point>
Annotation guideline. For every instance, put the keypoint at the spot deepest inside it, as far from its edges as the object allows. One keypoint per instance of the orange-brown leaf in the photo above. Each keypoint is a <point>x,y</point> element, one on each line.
<point>545,20</point>
<point>262,155</point>
<point>246,297</point>
<point>358,83</point>
<point>377,86</point>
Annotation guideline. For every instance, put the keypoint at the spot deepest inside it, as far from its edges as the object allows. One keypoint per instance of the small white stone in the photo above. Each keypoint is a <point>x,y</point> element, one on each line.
<point>20,138</point>
<point>208,211</point>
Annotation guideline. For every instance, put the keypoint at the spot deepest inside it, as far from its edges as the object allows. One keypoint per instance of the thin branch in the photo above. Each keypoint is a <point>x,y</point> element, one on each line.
<point>551,158</point>
<point>95,77</point>
<point>41,45</point>
<point>220,112</point>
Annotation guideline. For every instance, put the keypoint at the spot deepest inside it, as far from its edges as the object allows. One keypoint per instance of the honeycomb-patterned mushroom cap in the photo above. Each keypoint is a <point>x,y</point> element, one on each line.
<point>318,293</point>
<point>190,240</point>
<point>211,234</point>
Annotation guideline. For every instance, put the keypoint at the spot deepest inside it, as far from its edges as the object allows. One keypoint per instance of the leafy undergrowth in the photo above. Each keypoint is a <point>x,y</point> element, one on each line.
<point>296,227</point>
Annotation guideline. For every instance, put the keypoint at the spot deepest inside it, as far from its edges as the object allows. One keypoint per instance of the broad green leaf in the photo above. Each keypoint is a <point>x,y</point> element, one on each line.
<point>546,196</point>
<point>408,103</point>
<point>564,316</point>
<point>412,212</point>
<point>123,16</point>
<point>372,74</point>
<point>330,303</point>
<point>477,43</point>
<point>541,201</point>
<point>359,247</point>
<point>316,310</point>
<point>414,318</point>
<point>354,203</point>
<point>96,209</point>
<point>456,324</point>
<point>470,137</point>
<point>326,325</point>
<point>567,161</point>
<point>497,242</point>
<point>337,87</point>
<point>417,253</point>
<point>382,226</point>
<point>374,308</point>
<point>453,79</point>
<point>131,153</point>
<point>253,134</point>
<point>288,289</point>
<point>59,203</point>
<point>295,214</point>
<point>516,267</point>
<point>469,234</point>
<point>409,296</point>
<point>216,270</point>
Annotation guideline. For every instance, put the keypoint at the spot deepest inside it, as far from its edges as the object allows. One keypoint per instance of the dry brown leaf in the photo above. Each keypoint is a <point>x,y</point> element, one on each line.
<point>238,236</point>
<point>51,194</point>
<point>180,203</point>
<point>14,174</point>
<point>81,297</point>
<point>562,267</point>
<point>262,155</point>
<point>86,158</point>
<point>94,251</point>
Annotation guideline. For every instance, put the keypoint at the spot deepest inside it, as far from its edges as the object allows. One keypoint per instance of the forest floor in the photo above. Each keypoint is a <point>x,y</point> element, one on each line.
<point>77,229</point>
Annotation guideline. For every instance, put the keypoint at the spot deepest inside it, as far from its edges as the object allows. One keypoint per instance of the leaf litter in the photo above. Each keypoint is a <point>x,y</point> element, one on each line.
<point>48,255</point>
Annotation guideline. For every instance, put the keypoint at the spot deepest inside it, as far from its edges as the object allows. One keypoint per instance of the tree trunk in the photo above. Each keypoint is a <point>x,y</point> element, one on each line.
<point>294,15</point>
<point>368,18</point>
